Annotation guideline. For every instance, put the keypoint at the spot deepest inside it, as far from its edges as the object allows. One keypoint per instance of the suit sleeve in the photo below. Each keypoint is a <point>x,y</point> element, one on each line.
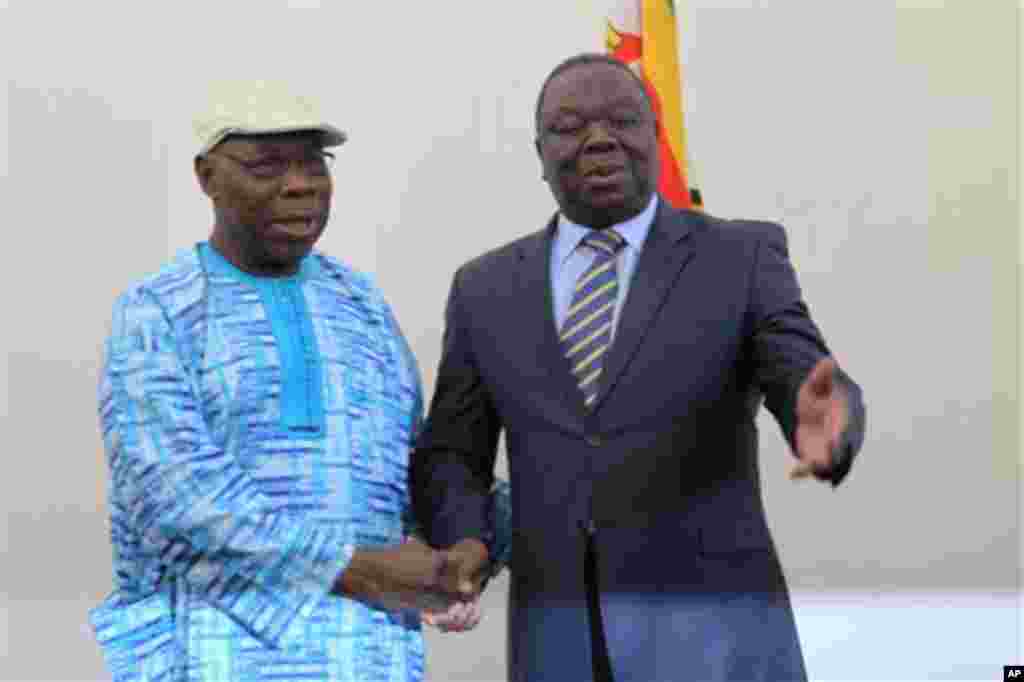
<point>787,344</point>
<point>453,462</point>
<point>190,501</point>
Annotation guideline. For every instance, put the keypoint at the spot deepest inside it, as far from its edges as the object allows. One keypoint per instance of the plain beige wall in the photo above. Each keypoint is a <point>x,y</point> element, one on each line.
<point>1020,303</point>
<point>883,134</point>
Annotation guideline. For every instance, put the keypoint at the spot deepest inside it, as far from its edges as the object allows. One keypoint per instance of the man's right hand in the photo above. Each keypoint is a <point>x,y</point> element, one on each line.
<point>465,568</point>
<point>407,576</point>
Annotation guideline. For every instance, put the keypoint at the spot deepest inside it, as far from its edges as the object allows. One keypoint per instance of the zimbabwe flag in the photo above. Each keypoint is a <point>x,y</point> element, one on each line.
<point>642,33</point>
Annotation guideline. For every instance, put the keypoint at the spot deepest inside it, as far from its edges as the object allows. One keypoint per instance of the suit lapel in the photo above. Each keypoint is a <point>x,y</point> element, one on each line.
<point>535,254</point>
<point>667,250</point>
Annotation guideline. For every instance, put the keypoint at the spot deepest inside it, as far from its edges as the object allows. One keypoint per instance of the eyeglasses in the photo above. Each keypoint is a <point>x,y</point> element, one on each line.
<point>316,164</point>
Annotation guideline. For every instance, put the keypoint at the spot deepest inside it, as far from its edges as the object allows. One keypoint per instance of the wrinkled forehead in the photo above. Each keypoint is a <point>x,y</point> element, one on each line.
<point>592,85</point>
<point>278,143</point>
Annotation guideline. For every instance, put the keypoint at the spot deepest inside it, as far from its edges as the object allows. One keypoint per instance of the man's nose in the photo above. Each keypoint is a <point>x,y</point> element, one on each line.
<point>598,140</point>
<point>297,180</point>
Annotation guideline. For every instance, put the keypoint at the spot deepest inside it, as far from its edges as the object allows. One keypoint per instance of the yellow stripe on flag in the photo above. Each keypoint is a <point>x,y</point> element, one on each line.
<point>660,64</point>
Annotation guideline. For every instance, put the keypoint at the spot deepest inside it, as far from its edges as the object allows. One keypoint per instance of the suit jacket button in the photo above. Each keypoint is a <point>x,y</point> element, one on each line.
<point>595,441</point>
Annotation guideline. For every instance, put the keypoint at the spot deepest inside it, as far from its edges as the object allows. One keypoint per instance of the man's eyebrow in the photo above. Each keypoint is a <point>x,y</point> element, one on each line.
<point>563,109</point>
<point>618,103</point>
<point>626,101</point>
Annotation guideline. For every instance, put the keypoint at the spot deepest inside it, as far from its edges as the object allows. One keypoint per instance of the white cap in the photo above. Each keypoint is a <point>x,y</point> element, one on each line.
<point>259,108</point>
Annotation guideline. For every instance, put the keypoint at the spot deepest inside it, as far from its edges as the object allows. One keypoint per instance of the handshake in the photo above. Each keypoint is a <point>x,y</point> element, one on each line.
<point>415,576</point>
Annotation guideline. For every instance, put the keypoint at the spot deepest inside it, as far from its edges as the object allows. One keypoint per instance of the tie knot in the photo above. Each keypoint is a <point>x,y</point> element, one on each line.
<point>608,241</point>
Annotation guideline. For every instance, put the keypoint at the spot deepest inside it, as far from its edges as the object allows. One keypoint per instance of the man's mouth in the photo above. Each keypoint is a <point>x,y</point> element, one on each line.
<point>604,179</point>
<point>298,227</point>
<point>600,172</point>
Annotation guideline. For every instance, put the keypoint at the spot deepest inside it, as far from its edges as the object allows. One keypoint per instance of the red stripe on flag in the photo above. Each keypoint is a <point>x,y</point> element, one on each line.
<point>671,180</point>
<point>629,48</point>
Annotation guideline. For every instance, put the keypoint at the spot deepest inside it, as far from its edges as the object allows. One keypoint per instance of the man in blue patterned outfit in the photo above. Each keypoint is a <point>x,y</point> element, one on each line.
<point>258,402</point>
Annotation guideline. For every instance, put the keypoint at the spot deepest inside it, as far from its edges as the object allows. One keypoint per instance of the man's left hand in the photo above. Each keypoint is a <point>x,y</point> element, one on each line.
<point>822,414</point>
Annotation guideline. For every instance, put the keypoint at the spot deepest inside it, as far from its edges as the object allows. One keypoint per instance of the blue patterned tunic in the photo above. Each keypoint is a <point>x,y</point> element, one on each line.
<point>255,435</point>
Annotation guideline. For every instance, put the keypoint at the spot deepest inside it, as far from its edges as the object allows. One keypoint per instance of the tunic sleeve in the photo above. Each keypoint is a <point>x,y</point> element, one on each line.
<point>190,501</point>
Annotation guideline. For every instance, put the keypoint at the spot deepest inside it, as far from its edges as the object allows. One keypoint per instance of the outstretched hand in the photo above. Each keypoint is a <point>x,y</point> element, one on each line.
<point>822,414</point>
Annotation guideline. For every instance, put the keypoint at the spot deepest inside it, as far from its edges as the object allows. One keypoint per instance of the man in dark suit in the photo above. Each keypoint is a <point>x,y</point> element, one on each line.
<point>625,350</point>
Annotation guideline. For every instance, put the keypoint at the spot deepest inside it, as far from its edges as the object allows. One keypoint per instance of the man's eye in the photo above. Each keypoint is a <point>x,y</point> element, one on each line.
<point>625,121</point>
<point>566,127</point>
<point>317,164</point>
<point>267,167</point>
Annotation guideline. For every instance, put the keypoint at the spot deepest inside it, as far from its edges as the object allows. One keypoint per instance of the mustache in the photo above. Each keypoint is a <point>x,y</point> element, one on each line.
<point>572,165</point>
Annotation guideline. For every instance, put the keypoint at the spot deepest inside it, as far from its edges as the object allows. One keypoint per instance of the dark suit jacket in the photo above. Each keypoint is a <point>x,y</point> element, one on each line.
<point>664,470</point>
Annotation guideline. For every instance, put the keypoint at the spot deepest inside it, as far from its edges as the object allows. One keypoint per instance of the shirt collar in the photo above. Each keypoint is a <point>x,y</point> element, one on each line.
<point>218,263</point>
<point>634,231</point>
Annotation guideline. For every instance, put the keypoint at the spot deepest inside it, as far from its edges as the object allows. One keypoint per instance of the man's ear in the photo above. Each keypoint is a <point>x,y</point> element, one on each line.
<point>206,176</point>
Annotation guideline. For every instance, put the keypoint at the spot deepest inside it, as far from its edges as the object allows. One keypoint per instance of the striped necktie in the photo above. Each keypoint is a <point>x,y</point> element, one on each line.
<point>587,331</point>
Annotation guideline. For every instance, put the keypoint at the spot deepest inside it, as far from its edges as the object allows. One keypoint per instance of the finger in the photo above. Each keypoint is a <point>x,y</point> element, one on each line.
<point>450,622</point>
<point>801,470</point>
<point>474,615</point>
<point>840,415</point>
<point>814,456</point>
<point>823,374</point>
<point>458,617</point>
<point>467,617</point>
<point>450,619</point>
<point>469,586</point>
<point>810,440</point>
<point>818,384</point>
<point>429,618</point>
<point>441,623</point>
<point>814,459</point>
